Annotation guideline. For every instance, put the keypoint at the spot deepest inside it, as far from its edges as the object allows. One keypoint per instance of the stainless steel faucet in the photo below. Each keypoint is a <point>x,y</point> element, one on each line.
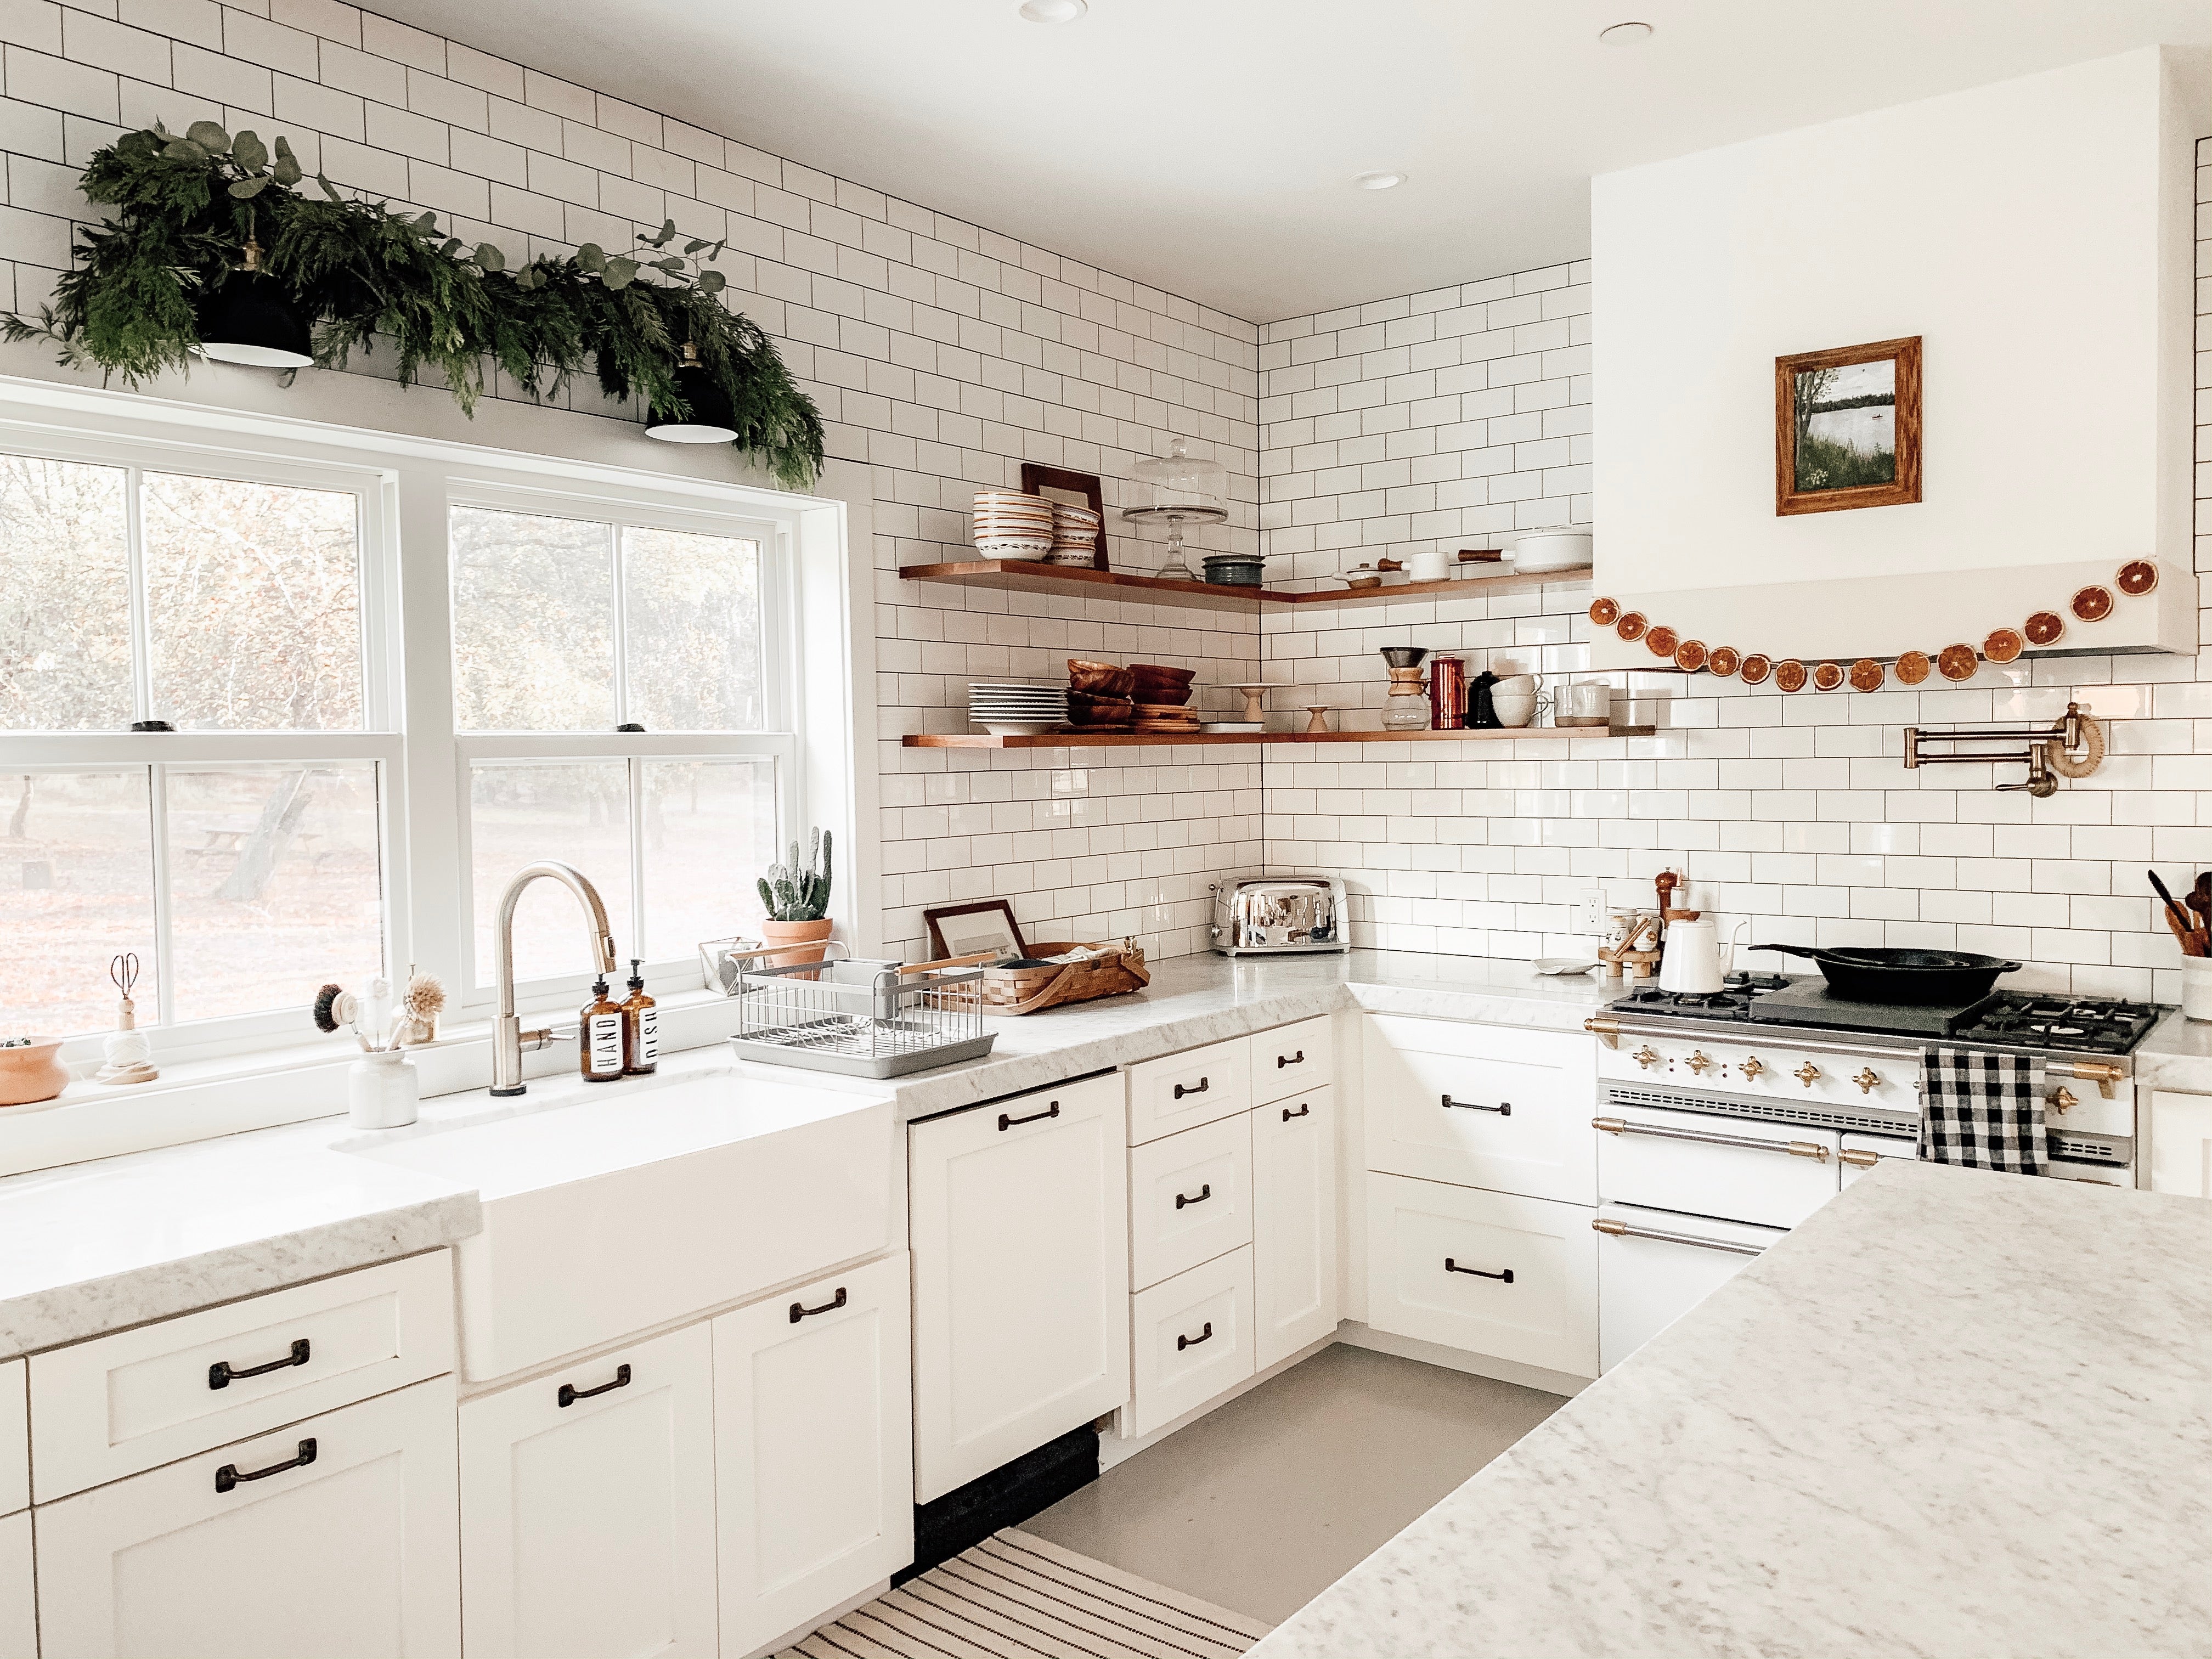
<point>508,1036</point>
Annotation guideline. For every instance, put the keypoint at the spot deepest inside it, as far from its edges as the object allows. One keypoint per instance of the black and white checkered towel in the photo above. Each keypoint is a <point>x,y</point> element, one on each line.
<point>1981,1110</point>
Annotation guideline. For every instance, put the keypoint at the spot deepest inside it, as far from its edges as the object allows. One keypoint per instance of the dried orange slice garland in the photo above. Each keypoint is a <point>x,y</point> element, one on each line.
<point>1954,662</point>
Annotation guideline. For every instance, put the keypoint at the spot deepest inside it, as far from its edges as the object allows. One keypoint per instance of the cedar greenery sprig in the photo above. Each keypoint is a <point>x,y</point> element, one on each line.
<point>184,209</point>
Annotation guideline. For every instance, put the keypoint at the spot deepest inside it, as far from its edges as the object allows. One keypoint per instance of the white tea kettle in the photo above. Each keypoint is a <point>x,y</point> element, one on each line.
<point>1690,965</point>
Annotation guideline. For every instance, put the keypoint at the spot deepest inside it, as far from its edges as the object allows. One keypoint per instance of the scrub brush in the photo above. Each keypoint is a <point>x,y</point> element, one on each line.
<point>423,1001</point>
<point>334,1007</point>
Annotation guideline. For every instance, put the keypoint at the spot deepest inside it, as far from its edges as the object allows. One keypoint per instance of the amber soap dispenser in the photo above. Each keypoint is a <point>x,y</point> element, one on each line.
<point>601,1028</point>
<point>640,1027</point>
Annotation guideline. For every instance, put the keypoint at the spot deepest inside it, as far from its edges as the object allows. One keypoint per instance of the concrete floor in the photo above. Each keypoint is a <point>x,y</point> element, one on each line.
<point>1261,1504</point>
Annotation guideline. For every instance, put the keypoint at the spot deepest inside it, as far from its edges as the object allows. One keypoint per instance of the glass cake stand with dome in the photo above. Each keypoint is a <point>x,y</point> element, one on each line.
<point>1185,489</point>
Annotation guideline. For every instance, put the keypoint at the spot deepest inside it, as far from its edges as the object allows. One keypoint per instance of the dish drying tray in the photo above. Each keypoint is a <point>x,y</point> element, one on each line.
<point>859,1017</point>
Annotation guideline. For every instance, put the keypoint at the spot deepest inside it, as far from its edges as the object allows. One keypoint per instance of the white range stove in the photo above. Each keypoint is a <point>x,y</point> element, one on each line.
<point>1725,1120</point>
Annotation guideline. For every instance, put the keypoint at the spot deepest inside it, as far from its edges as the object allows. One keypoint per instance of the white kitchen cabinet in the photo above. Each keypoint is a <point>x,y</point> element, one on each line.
<point>19,1618</point>
<point>1179,1092</point>
<point>1190,1199</point>
<point>1487,1272</point>
<point>1021,1276</point>
<point>335,1537</point>
<point>1192,1339</point>
<point>14,1437</point>
<point>2181,1143</point>
<point>1487,1106</point>
<point>587,1509</point>
<point>814,1449</point>
<point>1291,1058</point>
<point>1653,1266</point>
<point>1294,1244</point>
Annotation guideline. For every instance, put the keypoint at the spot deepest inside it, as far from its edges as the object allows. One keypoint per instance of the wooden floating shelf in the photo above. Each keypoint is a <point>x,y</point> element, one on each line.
<point>1132,739</point>
<point>1028,576</point>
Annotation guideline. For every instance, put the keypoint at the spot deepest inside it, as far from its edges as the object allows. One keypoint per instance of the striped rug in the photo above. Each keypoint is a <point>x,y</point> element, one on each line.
<point>1016,1596</point>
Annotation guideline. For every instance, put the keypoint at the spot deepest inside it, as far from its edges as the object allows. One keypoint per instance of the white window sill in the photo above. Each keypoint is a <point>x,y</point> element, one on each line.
<point>200,1099</point>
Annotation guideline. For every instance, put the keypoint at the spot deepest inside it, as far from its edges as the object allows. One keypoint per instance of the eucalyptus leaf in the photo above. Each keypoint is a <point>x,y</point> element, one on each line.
<point>719,246</point>
<point>619,273</point>
<point>330,189</point>
<point>694,245</point>
<point>712,282</point>
<point>452,246</point>
<point>248,152</point>
<point>246,188</point>
<point>283,145</point>
<point>183,149</point>
<point>428,224</point>
<point>489,257</point>
<point>672,264</point>
<point>209,137</point>
<point>665,235</point>
<point>137,145</point>
<point>286,172</point>
<point>591,258</point>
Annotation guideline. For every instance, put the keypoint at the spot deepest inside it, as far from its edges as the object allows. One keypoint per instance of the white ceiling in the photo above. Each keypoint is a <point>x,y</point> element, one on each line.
<point>1206,146</point>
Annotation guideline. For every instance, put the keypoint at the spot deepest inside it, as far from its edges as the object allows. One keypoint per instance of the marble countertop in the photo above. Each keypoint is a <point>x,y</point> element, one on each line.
<point>1953,1413</point>
<point>2177,1054</point>
<point>98,1246</point>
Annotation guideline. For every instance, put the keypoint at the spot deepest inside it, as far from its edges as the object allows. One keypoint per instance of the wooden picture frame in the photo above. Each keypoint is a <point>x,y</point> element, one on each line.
<point>1057,484</point>
<point>1886,392</point>
<point>960,946</point>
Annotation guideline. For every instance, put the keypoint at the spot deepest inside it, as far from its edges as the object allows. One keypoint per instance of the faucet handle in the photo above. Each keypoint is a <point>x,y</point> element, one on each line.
<point>545,1036</point>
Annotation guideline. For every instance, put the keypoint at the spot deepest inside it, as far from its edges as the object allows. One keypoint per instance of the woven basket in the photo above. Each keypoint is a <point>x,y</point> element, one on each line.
<point>1027,990</point>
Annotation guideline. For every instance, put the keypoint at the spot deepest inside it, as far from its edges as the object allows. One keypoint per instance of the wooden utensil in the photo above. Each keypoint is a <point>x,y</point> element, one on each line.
<point>2177,919</point>
<point>2200,904</point>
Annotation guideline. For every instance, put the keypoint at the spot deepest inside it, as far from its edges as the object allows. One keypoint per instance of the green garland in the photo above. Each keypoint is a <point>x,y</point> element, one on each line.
<point>185,209</point>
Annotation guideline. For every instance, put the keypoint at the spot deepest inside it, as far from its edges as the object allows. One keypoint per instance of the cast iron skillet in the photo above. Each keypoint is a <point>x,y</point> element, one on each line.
<point>1921,978</point>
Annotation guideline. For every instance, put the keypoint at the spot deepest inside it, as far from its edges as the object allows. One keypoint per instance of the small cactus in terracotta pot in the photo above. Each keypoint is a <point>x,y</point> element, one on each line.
<point>31,1070</point>
<point>795,897</point>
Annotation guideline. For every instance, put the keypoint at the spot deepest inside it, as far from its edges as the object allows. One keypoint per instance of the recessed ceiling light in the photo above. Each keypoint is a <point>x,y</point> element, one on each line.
<point>1053,11</point>
<point>1625,34</point>
<point>1380,180</point>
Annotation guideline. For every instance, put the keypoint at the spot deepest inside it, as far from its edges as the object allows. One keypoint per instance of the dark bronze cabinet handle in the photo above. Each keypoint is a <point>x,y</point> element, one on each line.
<point>1005,1123</point>
<point>1298,1058</point>
<point>798,1311</point>
<point>1452,1267</point>
<point>1204,1192</point>
<point>1303,1111</point>
<point>570,1394</point>
<point>1203,1084</point>
<point>222,1372</point>
<point>228,1476</point>
<point>1504,1109</point>
<point>1182,1342</point>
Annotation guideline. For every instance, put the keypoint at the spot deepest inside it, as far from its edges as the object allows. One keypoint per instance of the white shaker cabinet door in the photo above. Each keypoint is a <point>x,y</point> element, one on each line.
<point>587,1509</point>
<point>19,1624</point>
<point>815,1449</point>
<point>1293,1224</point>
<point>1021,1276</point>
<point>2181,1144</point>
<point>335,1537</point>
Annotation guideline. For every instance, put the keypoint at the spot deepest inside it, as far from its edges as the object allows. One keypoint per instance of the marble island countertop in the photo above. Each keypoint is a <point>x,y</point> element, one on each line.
<point>1954,1413</point>
<point>98,1246</point>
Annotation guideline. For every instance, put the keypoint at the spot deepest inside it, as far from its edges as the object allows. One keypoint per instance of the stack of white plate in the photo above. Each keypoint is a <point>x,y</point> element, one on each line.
<point>1010,524</point>
<point>1074,535</point>
<point>1017,709</point>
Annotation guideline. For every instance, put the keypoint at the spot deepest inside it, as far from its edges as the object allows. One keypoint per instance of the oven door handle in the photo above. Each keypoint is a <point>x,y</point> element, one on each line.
<point>1621,1126</point>
<point>1613,1229</point>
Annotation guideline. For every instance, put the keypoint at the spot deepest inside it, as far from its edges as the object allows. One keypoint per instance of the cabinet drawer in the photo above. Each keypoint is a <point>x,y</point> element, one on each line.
<point>14,1439</point>
<point>1653,1268</point>
<point>1772,1174</point>
<point>1192,1338</point>
<point>119,1404</point>
<point>1181,1092</point>
<point>1291,1058</point>
<point>1487,1273</point>
<point>1190,1199</point>
<point>259,1548</point>
<point>1482,1106</point>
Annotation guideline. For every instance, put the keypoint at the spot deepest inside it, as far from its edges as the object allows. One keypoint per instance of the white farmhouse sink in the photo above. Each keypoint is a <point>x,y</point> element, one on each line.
<point>611,1208</point>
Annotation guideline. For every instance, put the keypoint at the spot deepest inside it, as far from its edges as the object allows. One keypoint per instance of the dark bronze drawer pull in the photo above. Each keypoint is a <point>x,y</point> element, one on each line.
<point>222,1373</point>
<point>1204,1192</point>
<point>800,1312</point>
<point>1182,1342</point>
<point>1298,1058</point>
<point>227,1476</point>
<point>1005,1123</point>
<point>1203,1085</point>
<point>1452,1267</point>
<point>1504,1109</point>
<point>570,1394</point>
<point>1303,1111</point>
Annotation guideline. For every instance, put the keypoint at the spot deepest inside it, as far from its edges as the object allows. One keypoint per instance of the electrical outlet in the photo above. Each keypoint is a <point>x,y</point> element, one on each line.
<point>1593,910</point>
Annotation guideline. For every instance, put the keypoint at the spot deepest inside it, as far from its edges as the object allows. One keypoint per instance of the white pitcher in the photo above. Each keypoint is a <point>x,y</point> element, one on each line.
<point>1690,965</point>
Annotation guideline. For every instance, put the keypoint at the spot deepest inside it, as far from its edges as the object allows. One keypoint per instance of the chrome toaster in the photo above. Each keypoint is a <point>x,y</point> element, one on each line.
<point>1263,915</point>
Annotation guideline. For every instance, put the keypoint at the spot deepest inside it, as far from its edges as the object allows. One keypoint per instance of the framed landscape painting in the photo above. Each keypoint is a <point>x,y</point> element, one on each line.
<point>1847,428</point>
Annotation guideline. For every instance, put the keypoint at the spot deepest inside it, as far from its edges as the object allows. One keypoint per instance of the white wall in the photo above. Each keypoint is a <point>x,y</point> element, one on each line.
<point>2028,231</point>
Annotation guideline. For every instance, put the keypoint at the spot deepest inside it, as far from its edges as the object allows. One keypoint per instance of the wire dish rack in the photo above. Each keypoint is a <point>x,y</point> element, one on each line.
<point>858,1016</point>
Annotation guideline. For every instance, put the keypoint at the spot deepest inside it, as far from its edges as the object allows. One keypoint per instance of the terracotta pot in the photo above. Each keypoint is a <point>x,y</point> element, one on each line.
<point>32,1075</point>
<point>806,937</point>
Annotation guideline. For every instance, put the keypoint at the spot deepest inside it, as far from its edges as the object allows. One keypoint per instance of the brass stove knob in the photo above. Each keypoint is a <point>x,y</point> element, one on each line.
<point>1868,1080</point>
<point>2062,1099</point>
<point>1754,1068</point>
<point>1807,1073</point>
<point>1699,1062</point>
<point>1647,1057</point>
